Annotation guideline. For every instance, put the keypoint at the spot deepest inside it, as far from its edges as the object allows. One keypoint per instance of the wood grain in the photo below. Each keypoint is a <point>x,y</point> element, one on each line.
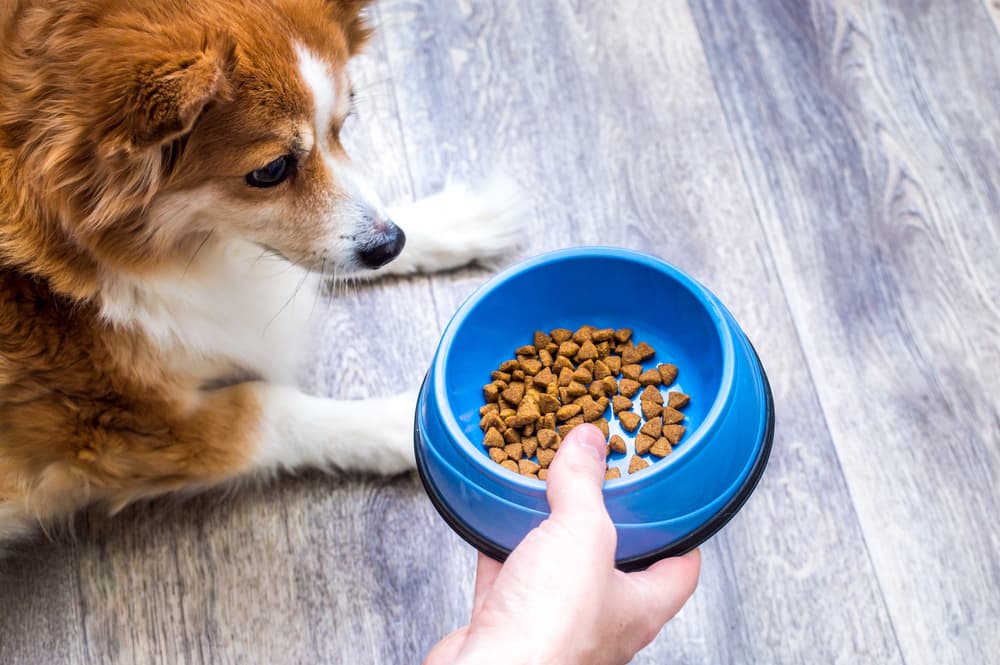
<point>617,137</point>
<point>867,134</point>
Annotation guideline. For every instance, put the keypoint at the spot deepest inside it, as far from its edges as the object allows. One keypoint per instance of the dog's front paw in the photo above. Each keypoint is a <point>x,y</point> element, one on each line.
<point>459,226</point>
<point>367,435</point>
<point>389,448</point>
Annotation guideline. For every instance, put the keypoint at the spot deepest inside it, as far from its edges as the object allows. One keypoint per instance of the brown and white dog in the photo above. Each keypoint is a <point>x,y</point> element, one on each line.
<point>150,152</point>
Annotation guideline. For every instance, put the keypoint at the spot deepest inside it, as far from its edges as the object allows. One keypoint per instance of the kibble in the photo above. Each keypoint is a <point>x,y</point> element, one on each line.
<point>514,451</point>
<point>587,351</point>
<point>628,387</point>
<point>629,420</point>
<point>565,378</point>
<point>652,428</point>
<point>547,438</point>
<point>668,373</point>
<point>568,411</point>
<point>514,393</point>
<point>650,378</point>
<point>493,438</point>
<point>643,443</point>
<point>675,400</point>
<point>531,366</point>
<point>527,466</point>
<point>671,416</point>
<point>636,464</point>
<point>562,362</point>
<point>619,403</point>
<point>630,356</point>
<point>661,448</point>
<point>631,371</point>
<point>560,335</point>
<point>569,349</point>
<point>650,409</point>
<point>673,433</point>
<point>651,394</point>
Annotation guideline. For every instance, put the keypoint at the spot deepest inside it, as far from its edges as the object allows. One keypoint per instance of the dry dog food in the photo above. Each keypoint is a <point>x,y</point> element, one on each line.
<point>565,378</point>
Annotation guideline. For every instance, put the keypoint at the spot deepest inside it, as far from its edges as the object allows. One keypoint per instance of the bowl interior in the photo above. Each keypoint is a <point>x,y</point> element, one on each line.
<point>662,307</point>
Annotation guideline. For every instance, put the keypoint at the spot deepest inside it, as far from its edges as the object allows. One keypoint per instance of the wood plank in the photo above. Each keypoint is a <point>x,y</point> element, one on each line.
<point>39,605</point>
<point>616,136</point>
<point>867,133</point>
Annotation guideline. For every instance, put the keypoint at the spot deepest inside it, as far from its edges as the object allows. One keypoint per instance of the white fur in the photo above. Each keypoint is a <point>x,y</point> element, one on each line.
<point>232,303</point>
<point>459,226</point>
<point>322,86</point>
<point>360,435</point>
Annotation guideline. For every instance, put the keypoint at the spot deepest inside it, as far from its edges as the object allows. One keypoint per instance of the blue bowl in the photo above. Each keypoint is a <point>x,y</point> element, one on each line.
<point>665,510</point>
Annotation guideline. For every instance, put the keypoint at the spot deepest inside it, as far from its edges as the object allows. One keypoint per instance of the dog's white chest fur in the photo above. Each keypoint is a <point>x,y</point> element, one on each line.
<point>232,306</point>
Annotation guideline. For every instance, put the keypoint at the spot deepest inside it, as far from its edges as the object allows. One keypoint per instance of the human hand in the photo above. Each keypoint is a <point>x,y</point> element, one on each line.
<point>558,598</point>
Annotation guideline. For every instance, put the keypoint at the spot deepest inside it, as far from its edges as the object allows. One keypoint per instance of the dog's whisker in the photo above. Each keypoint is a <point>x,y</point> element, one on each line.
<point>298,288</point>
<point>175,214</point>
<point>322,269</point>
<point>201,245</point>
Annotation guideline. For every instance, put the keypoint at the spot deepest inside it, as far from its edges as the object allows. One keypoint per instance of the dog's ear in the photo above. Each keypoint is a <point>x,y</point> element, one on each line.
<point>162,94</point>
<point>350,15</point>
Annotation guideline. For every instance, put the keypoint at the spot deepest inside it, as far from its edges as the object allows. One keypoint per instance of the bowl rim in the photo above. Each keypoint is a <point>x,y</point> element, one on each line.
<point>676,460</point>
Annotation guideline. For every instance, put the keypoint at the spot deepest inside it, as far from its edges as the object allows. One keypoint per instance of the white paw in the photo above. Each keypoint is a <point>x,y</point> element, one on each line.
<point>368,435</point>
<point>389,448</point>
<point>460,226</point>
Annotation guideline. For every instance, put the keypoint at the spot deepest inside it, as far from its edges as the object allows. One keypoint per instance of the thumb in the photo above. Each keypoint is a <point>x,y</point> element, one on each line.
<point>577,473</point>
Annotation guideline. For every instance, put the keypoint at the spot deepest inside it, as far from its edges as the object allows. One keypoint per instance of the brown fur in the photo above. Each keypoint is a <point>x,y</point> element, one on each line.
<point>107,110</point>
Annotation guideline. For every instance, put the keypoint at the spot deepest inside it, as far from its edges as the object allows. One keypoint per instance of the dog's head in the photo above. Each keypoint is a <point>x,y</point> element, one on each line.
<point>155,125</point>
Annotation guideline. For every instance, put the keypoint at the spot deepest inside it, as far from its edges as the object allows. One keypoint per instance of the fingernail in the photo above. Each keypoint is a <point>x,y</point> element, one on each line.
<point>589,438</point>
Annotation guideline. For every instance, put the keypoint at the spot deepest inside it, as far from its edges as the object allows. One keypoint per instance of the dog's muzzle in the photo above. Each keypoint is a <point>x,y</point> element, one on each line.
<point>388,246</point>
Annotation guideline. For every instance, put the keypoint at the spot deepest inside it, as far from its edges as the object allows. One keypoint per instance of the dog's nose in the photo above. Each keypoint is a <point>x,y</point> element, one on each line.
<point>386,249</point>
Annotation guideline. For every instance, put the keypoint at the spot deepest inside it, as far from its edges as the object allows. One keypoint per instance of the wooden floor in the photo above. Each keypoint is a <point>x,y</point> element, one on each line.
<point>831,168</point>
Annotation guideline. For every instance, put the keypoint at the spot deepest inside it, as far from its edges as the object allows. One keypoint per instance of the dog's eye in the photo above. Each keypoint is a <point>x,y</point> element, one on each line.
<point>273,174</point>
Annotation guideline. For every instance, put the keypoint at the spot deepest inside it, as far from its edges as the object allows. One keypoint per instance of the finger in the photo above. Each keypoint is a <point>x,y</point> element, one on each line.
<point>577,473</point>
<point>666,586</point>
<point>445,651</point>
<point>486,573</point>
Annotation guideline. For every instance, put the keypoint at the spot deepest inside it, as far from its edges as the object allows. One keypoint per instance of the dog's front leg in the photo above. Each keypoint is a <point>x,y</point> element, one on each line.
<point>240,431</point>
<point>298,430</point>
<point>458,226</point>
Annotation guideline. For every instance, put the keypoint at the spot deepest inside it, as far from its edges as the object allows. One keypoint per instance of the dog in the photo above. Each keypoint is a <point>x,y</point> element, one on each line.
<point>174,191</point>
